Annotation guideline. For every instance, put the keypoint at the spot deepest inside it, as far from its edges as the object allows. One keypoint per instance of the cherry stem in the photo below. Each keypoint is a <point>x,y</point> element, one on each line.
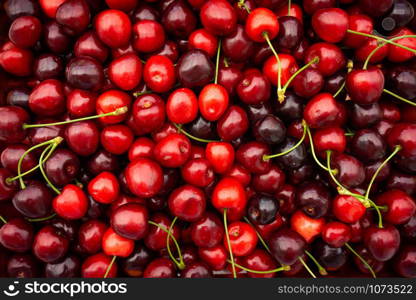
<point>229,243</point>
<point>180,264</point>
<point>138,94</point>
<point>51,149</point>
<point>267,157</point>
<point>280,269</point>
<point>180,130</point>
<point>225,62</point>
<point>242,4</point>
<point>110,266</point>
<point>399,97</point>
<point>174,241</point>
<point>362,260</point>
<point>3,219</point>
<point>42,219</point>
<point>321,269</point>
<point>367,61</point>
<point>381,39</point>
<point>279,70</point>
<point>314,154</point>
<point>117,112</point>
<point>341,189</point>
<point>306,267</point>
<point>350,66</point>
<point>289,7</point>
<point>258,235</point>
<point>217,63</point>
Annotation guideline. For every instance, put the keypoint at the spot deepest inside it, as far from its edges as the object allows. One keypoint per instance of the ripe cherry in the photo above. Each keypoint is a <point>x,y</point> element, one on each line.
<point>71,204</point>
<point>74,15</point>
<point>251,156</point>
<point>50,7</point>
<point>157,237</point>
<point>329,138</point>
<point>48,98</point>
<point>159,73</point>
<point>253,88</point>
<point>198,172</point>
<point>213,101</point>
<point>331,58</point>
<point>149,36</point>
<point>110,101</point>
<point>402,135</point>
<point>90,235</point>
<point>360,23</point>
<point>80,103</point>
<point>187,203</point>
<point>160,268</point>
<point>229,194</point>
<point>117,139</point>
<point>383,243</point>
<point>202,39</point>
<point>104,188</point>
<point>130,221</point>
<point>286,246</point>
<point>96,266</point>
<point>208,231</point>
<point>288,66</point>
<point>215,257</point>
<point>116,245</point>
<point>148,113</point>
<point>113,28</point>
<point>172,151</point>
<point>220,155</point>
<point>262,21</point>
<point>306,226</point>
<point>243,238</point>
<point>16,235</point>
<point>90,45</point>
<point>322,111</point>
<point>144,177</point>
<point>336,234</point>
<point>82,137</point>
<point>365,86</point>
<point>400,206</point>
<point>330,24</point>
<point>182,106</point>
<point>126,71</point>
<point>141,148</point>
<point>25,31</point>
<point>50,244</point>
<point>218,17</point>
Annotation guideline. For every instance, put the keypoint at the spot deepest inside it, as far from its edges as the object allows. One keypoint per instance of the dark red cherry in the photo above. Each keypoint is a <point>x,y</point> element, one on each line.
<point>35,201</point>
<point>350,170</point>
<point>17,8</point>
<point>368,145</point>
<point>82,137</point>
<point>130,221</point>
<point>160,268</point>
<point>311,6</point>
<point>195,69</point>
<point>55,37</point>
<point>238,46</point>
<point>313,198</point>
<point>196,270</point>
<point>179,19</point>
<point>262,209</point>
<point>16,235</point>
<point>90,45</point>
<point>269,182</point>
<point>96,266</point>
<point>7,190</point>
<point>48,98</point>
<point>74,15</point>
<point>172,151</point>
<point>400,206</point>
<point>90,235</point>
<point>48,66</point>
<point>156,237</point>
<point>208,231</point>
<point>11,155</point>
<point>117,139</point>
<point>135,264</point>
<point>62,167</point>
<point>25,31</point>
<point>218,17</point>
<point>187,203</point>
<point>405,262</point>
<point>250,155</point>
<point>383,243</point>
<point>139,180</point>
<point>198,172</point>
<point>17,61</point>
<point>68,268</point>
<point>148,113</point>
<point>113,28</point>
<point>402,135</point>
<point>253,88</point>
<point>308,83</point>
<point>233,124</point>
<point>50,244</point>
<point>22,266</point>
<point>330,24</point>
<point>286,246</point>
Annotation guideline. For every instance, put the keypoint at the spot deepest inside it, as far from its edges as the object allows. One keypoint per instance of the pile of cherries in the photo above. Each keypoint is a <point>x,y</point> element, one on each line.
<point>207,138</point>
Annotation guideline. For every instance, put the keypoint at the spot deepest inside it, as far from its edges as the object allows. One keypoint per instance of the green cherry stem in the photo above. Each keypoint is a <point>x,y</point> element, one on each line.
<point>258,235</point>
<point>321,269</point>
<point>280,269</point>
<point>279,68</point>
<point>42,219</point>
<point>367,61</point>
<point>138,94</point>
<point>381,39</point>
<point>242,4</point>
<point>267,157</point>
<point>289,7</point>
<point>181,130</point>
<point>117,112</point>
<point>399,97</point>
<point>350,66</point>
<point>217,62</point>
<point>362,260</point>
<point>3,219</point>
<point>180,264</point>
<point>50,148</point>
<point>172,257</point>
<point>110,266</point>
<point>306,267</point>
<point>229,243</point>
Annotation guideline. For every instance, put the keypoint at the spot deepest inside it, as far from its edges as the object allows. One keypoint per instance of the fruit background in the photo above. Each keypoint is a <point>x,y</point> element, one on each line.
<point>207,138</point>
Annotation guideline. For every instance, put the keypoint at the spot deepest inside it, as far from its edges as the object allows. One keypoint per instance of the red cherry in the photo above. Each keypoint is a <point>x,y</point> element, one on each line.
<point>16,235</point>
<point>156,237</point>
<point>229,194</point>
<point>215,257</point>
<point>149,36</point>
<point>322,111</point>
<point>243,238</point>
<point>262,21</point>
<point>251,156</point>
<point>311,6</point>
<point>202,39</point>
<point>360,23</point>
<point>116,245</point>
<point>336,234</point>
<point>307,227</point>
<point>397,54</point>
<point>330,138</point>
<point>240,173</point>
<point>208,231</point>
<point>198,172</point>
<point>82,137</point>
<point>90,235</point>
<point>109,102</point>
<point>260,260</point>
<point>126,71</point>
<point>365,86</point>
<point>213,101</point>
<point>96,266</point>
<point>331,58</point>
<point>74,16</point>
<point>104,188</point>
<point>172,151</point>
<point>220,155</point>
<point>81,103</point>
<point>253,88</point>
<point>160,268</point>
<point>187,203</point>
<point>148,113</point>
<point>288,66</point>
<point>48,98</point>
<point>383,243</point>
<point>113,28</point>
<point>348,209</point>
<point>233,124</point>
<point>403,134</point>
<point>130,221</point>
<point>367,47</point>
<point>12,119</point>
<point>218,17</point>
<point>159,73</point>
<point>141,148</point>
<point>71,204</point>
<point>400,206</point>
<point>25,31</point>
<point>116,139</point>
<point>182,106</point>
<point>50,244</point>
<point>90,45</point>
<point>144,177</point>
<point>330,24</point>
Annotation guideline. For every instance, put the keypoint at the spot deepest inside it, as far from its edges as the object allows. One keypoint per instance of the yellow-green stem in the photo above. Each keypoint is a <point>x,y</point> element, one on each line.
<point>399,97</point>
<point>110,266</point>
<point>362,260</point>
<point>229,243</point>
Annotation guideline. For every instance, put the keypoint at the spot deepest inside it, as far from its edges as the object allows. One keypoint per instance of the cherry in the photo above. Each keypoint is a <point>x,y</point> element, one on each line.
<point>71,204</point>
<point>144,177</point>
<point>90,235</point>
<point>135,264</point>
<point>215,257</point>
<point>195,69</point>
<point>260,22</point>
<point>360,23</point>
<point>104,188</point>
<point>363,52</point>
<point>116,245</point>
<point>74,15</point>
<point>117,139</point>
<point>96,266</point>
<point>113,28</point>
<point>130,221</point>
<point>330,58</point>
<point>364,116</point>
<point>243,238</point>
<point>17,8</point>
<point>149,36</point>
<point>406,261</point>
<point>322,111</point>
<point>229,194</point>
<point>84,73</point>
<point>156,239</point>
<point>311,6</point>
<point>350,170</point>
<point>259,260</point>
<point>196,270</point>
<point>198,172</point>
<point>159,268</point>
<point>368,145</point>
<point>159,73</point>
<point>401,134</point>
<point>400,206</point>
<point>218,17</point>
<point>187,203</point>
<point>253,88</point>
<point>331,258</point>
<point>48,98</point>
<point>397,54</point>
<point>172,151</point>
<point>25,31</point>
<point>232,124</point>
<point>102,161</point>
<point>50,7</point>
<point>306,226</point>
<point>202,39</point>
<point>68,268</point>
<point>308,83</point>
<point>336,234</point>
<point>330,24</point>
<point>286,246</point>
<point>238,46</point>
<point>207,231</point>
<point>22,266</point>
<point>55,37</point>
<point>48,66</point>
<point>16,235</point>
<point>7,190</point>
<point>262,209</point>
<point>148,113</point>
<point>251,156</point>
<point>182,106</point>
<point>375,10</point>
<point>110,101</point>
<point>383,243</point>
<point>11,155</point>
<point>220,155</point>
<point>288,67</point>
<point>141,148</point>
<point>35,201</point>
<point>313,198</point>
<point>90,45</point>
<point>269,182</point>
<point>365,86</point>
<point>50,244</point>
<point>126,71</point>
<point>82,137</point>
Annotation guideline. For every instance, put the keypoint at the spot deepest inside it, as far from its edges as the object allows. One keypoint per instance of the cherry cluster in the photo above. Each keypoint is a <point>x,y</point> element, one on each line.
<point>207,138</point>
